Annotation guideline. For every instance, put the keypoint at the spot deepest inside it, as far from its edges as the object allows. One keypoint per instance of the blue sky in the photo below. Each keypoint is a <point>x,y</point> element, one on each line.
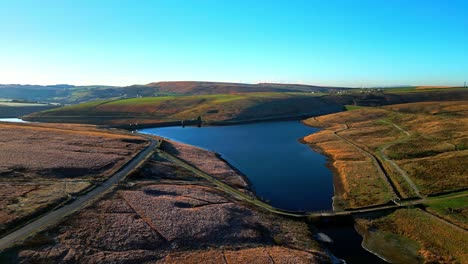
<point>333,42</point>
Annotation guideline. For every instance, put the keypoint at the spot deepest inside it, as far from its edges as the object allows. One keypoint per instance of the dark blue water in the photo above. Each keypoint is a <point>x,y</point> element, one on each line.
<point>286,173</point>
<point>283,172</point>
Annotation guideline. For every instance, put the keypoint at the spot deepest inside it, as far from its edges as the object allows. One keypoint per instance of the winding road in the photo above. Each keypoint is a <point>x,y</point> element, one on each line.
<point>55,216</point>
<point>253,200</point>
<point>376,163</point>
<point>393,163</point>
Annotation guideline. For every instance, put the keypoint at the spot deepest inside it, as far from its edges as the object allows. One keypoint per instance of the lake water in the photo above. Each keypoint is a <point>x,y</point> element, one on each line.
<point>286,173</point>
<point>16,120</point>
<point>282,171</point>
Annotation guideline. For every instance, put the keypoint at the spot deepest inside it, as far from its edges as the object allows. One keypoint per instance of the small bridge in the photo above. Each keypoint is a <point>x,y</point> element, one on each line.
<point>347,215</point>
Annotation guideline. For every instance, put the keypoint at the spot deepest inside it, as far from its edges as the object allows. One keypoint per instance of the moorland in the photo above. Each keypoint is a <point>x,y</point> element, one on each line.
<point>168,214</point>
<point>385,146</point>
<point>396,153</point>
<point>45,165</point>
<point>237,106</point>
<point>70,94</point>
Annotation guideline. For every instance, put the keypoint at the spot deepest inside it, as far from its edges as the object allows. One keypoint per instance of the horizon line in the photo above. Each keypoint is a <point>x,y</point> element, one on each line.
<point>247,83</point>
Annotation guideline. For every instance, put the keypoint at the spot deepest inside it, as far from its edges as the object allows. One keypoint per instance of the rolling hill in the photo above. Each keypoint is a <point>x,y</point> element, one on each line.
<point>170,110</point>
<point>229,107</point>
<point>69,94</point>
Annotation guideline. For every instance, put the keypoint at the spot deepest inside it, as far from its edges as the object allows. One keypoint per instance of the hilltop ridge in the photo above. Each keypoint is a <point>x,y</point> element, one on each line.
<point>71,94</point>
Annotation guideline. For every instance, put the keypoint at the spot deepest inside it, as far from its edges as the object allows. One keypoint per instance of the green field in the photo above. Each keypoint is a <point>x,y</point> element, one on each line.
<point>353,107</point>
<point>415,89</point>
<point>211,108</point>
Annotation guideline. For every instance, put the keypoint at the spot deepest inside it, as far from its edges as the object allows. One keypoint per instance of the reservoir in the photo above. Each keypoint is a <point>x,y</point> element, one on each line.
<point>284,172</point>
<point>281,170</point>
<point>15,120</point>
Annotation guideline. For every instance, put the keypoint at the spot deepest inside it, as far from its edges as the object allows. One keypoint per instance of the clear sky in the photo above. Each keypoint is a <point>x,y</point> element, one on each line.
<point>324,42</point>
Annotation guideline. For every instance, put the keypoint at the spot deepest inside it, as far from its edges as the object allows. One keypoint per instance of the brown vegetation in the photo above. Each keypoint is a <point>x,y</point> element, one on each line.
<point>43,165</point>
<point>193,87</point>
<point>434,155</point>
<point>437,241</point>
<point>182,222</point>
<point>357,182</point>
<point>30,151</point>
<point>171,110</point>
<point>207,161</point>
<point>271,254</point>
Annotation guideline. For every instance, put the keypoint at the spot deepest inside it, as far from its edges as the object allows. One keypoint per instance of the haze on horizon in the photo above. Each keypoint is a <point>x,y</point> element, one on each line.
<point>337,42</point>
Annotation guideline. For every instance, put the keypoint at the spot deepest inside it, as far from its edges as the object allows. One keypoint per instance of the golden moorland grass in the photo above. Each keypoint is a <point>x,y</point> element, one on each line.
<point>434,154</point>
<point>437,241</point>
<point>358,182</point>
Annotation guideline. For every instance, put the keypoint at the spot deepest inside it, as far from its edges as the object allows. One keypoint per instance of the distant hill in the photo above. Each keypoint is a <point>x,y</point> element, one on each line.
<point>62,93</point>
<point>190,87</point>
<point>69,94</point>
<point>16,109</point>
<point>232,107</point>
<point>170,110</point>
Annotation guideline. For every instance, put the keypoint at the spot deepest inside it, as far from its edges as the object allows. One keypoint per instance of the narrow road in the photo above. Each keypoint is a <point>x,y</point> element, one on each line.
<point>445,222</point>
<point>55,216</point>
<point>396,166</point>
<point>243,196</point>
<point>377,165</point>
<point>226,188</point>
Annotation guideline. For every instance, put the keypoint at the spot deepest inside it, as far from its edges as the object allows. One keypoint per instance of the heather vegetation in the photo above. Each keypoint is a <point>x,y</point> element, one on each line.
<point>45,165</point>
<point>168,214</point>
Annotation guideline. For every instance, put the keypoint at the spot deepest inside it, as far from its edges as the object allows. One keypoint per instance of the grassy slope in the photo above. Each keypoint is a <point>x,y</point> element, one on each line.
<point>416,233</point>
<point>220,107</point>
<point>435,158</point>
<point>434,155</point>
<point>453,210</point>
<point>77,94</point>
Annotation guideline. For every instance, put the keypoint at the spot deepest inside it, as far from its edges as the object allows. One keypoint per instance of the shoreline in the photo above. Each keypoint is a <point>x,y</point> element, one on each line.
<point>363,243</point>
<point>337,185</point>
<point>249,186</point>
<point>338,189</point>
<point>176,123</point>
